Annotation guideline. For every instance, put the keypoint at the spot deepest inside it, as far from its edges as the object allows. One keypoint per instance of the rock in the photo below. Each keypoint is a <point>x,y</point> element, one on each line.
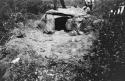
<point>15,60</point>
<point>50,24</point>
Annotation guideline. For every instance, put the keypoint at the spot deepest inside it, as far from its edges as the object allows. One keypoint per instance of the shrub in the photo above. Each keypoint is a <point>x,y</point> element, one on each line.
<point>14,11</point>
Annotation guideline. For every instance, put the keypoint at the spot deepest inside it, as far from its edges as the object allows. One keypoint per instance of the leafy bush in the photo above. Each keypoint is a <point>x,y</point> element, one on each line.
<point>14,11</point>
<point>109,54</point>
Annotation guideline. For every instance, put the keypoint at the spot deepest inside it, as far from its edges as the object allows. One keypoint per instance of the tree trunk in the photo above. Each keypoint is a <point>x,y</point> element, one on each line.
<point>55,4</point>
<point>63,3</point>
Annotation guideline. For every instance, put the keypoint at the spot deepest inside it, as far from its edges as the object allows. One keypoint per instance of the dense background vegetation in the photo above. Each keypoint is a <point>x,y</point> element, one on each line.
<point>109,51</point>
<point>14,11</point>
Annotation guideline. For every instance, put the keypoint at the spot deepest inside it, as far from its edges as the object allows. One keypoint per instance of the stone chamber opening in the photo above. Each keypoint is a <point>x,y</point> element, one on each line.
<point>60,24</point>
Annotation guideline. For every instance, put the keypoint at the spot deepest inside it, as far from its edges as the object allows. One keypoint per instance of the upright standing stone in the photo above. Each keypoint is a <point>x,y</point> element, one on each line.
<point>50,24</point>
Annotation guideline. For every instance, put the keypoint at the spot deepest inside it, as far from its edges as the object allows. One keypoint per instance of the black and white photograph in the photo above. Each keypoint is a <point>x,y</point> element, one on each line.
<point>62,40</point>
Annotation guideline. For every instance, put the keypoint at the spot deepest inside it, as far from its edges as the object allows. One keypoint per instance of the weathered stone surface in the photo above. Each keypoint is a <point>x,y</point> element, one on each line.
<point>77,20</point>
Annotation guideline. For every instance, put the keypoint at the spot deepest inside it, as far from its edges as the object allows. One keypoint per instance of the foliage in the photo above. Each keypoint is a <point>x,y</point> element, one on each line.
<point>108,52</point>
<point>110,49</point>
<point>14,11</point>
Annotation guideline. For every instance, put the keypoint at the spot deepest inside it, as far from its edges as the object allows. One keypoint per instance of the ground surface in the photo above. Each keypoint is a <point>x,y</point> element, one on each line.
<point>59,45</point>
<point>41,48</point>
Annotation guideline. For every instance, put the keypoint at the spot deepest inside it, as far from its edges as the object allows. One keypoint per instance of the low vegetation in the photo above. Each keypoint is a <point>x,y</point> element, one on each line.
<point>105,56</point>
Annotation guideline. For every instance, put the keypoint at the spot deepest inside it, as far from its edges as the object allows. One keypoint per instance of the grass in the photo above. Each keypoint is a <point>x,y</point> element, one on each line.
<point>98,65</point>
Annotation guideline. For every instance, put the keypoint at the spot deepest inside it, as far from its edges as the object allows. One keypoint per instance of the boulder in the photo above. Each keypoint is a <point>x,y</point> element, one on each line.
<point>70,19</point>
<point>50,24</point>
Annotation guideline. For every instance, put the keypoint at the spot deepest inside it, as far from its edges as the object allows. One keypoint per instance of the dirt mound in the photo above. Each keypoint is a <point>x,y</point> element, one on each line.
<point>52,56</point>
<point>59,45</point>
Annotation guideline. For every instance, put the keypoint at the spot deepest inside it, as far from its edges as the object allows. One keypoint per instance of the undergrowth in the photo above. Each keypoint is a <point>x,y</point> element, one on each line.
<point>108,53</point>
